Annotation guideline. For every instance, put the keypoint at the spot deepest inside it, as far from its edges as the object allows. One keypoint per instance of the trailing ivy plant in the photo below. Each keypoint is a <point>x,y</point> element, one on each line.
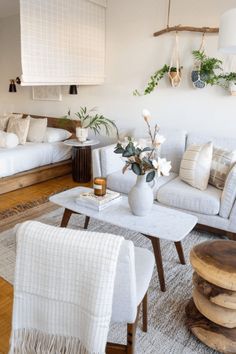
<point>154,81</point>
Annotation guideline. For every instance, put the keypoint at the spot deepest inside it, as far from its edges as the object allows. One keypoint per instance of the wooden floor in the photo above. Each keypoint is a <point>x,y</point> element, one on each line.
<point>7,201</point>
<point>6,296</point>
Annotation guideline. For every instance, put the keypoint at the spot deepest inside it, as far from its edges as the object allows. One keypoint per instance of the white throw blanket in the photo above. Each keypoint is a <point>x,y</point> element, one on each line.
<point>63,291</point>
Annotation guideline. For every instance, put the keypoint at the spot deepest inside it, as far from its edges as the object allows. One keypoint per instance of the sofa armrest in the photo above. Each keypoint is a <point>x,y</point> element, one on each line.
<point>228,196</point>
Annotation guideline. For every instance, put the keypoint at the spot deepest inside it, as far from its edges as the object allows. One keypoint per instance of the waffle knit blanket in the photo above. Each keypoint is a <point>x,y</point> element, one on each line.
<point>63,290</point>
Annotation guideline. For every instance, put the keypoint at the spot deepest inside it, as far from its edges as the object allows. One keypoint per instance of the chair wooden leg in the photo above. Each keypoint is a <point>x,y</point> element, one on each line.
<point>145,313</point>
<point>131,330</point>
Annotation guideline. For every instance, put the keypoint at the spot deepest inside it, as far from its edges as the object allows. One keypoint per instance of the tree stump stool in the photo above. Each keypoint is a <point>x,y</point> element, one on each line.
<point>211,313</point>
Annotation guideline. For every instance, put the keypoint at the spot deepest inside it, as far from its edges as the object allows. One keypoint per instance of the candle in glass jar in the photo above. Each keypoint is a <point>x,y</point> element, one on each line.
<point>100,186</point>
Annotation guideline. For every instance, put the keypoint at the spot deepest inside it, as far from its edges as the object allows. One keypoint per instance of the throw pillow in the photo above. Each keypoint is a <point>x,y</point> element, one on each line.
<point>222,161</point>
<point>56,134</point>
<point>37,129</point>
<point>20,127</point>
<point>5,118</point>
<point>196,165</point>
<point>8,140</point>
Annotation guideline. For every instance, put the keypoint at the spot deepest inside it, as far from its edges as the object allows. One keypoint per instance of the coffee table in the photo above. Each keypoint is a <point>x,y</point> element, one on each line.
<point>160,223</point>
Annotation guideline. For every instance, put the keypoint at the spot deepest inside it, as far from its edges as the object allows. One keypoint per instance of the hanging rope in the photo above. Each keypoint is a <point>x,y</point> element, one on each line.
<point>175,76</point>
<point>168,14</point>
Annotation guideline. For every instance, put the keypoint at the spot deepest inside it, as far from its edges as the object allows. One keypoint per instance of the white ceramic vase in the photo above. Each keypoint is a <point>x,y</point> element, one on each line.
<point>140,197</point>
<point>81,134</point>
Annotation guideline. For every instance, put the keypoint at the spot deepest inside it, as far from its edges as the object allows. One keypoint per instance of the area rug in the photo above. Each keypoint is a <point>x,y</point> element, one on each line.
<point>167,332</point>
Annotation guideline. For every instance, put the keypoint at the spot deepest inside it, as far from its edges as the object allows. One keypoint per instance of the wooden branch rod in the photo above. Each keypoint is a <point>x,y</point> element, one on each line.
<point>186,28</point>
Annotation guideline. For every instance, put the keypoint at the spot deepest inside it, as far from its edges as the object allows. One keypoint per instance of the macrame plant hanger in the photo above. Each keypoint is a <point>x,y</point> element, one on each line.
<point>174,72</point>
<point>197,80</point>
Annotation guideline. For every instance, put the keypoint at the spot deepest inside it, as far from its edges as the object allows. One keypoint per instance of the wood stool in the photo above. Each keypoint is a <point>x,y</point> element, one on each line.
<point>211,314</point>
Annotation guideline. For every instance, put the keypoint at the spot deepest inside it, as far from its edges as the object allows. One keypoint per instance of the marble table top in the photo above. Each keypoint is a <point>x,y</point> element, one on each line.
<point>76,143</point>
<point>161,222</point>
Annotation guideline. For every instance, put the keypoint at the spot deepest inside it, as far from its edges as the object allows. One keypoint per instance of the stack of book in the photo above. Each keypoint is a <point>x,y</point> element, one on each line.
<point>90,200</point>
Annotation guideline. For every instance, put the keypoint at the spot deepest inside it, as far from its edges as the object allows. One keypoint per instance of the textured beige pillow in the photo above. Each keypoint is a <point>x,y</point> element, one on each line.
<point>4,120</point>
<point>196,165</point>
<point>20,127</point>
<point>222,161</point>
<point>37,129</point>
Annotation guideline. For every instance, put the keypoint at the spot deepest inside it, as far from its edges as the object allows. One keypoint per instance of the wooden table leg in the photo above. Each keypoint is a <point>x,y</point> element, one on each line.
<point>158,257</point>
<point>66,217</point>
<point>87,218</point>
<point>180,252</point>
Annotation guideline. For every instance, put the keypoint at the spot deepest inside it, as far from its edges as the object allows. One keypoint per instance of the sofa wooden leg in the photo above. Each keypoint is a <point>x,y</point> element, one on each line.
<point>145,313</point>
<point>131,330</point>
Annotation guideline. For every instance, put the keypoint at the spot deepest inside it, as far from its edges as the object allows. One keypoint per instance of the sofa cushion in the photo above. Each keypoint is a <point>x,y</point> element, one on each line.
<point>110,161</point>
<point>196,164</point>
<point>123,182</point>
<point>229,194</point>
<point>178,194</point>
<point>174,146</point>
<point>222,161</point>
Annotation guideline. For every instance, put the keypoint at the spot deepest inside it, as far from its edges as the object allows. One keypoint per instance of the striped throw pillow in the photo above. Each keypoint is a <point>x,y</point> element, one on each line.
<point>222,162</point>
<point>196,165</point>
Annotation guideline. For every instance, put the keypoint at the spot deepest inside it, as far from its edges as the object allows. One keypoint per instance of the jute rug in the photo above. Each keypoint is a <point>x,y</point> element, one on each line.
<point>167,332</point>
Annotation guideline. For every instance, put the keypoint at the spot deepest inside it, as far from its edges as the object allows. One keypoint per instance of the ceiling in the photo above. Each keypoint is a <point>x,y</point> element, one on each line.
<point>9,8</point>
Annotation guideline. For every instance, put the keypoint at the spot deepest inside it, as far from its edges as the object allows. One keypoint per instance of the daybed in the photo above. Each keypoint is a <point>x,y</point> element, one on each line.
<point>215,209</point>
<point>32,163</point>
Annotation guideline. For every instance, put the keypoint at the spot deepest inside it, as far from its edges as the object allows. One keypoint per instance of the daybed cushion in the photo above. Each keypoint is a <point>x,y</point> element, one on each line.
<point>8,140</point>
<point>31,155</point>
<point>52,135</point>
<point>123,182</point>
<point>37,130</point>
<point>20,127</point>
<point>5,118</point>
<point>178,194</point>
<point>229,194</point>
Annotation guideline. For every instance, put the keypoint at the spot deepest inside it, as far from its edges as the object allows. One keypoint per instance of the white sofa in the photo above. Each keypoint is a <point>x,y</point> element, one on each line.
<point>215,209</point>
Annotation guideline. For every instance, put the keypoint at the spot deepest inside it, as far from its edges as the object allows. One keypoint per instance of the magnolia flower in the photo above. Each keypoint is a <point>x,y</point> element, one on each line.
<point>164,167</point>
<point>159,139</point>
<point>146,114</point>
<point>143,154</point>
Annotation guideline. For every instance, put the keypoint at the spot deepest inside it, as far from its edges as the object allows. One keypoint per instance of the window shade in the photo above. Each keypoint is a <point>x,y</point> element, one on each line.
<point>62,42</point>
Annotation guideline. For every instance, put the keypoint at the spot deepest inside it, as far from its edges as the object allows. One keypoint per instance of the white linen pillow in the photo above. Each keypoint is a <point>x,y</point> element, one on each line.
<point>8,140</point>
<point>37,129</point>
<point>56,134</point>
<point>195,165</point>
<point>20,127</point>
<point>5,118</point>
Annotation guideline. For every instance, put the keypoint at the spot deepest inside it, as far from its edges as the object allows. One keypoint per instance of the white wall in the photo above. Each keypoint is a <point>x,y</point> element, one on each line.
<point>133,54</point>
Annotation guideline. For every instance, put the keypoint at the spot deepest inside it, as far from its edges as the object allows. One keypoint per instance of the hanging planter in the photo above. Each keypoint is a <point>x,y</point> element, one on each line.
<point>174,72</point>
<point>205,68</point>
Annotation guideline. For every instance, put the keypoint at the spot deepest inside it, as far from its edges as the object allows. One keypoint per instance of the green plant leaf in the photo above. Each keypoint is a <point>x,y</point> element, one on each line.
<point>150,176</point>
<point>147,149</point>
<point>119,150</point>
<point>136,169</point>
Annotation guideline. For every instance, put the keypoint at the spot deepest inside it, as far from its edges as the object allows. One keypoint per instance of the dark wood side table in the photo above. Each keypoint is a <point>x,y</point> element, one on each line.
<point>81,159</point>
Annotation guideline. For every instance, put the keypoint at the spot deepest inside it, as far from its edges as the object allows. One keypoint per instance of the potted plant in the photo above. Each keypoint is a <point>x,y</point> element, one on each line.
<point>228,81</point>
<point>88,119</point>
<point>143,162</point>
<point>175,75</point>
<point>205,71</point>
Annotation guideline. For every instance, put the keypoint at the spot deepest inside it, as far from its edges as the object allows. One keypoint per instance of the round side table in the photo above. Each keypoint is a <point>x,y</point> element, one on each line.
<point>81,159</point>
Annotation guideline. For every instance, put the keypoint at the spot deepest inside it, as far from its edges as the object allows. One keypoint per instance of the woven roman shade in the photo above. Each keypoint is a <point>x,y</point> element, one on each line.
<point>62,42</point>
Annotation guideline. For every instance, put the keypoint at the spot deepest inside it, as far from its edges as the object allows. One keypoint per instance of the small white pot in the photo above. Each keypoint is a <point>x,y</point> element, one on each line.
<point>232,88</point>
<point>140,197</point>
<point>81,134</point>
